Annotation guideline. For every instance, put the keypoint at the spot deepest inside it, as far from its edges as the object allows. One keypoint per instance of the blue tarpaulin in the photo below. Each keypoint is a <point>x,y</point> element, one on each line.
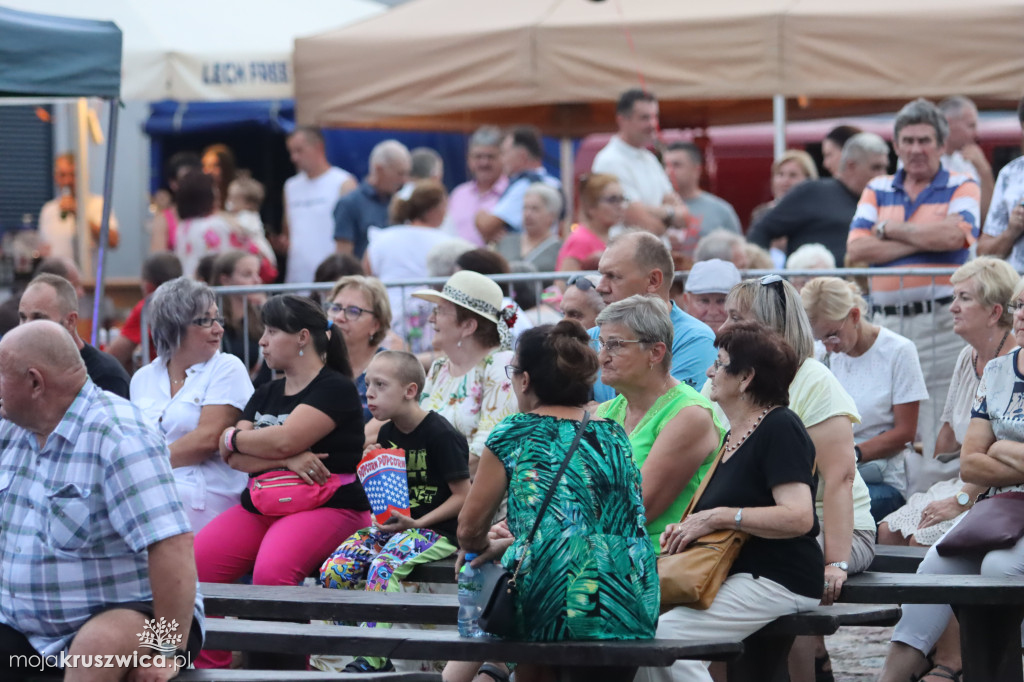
<point>47,56</point>
<point>172,118</point>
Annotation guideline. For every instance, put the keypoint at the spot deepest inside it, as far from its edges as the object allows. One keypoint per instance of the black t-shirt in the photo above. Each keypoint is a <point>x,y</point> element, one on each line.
<point>779,451</point>
<point>435,455</point>
<point>105,371</point>
<point>335,395</point>
<point>817,211</point>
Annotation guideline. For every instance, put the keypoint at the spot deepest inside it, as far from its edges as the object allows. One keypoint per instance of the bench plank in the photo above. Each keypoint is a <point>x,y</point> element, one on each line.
<point>246,635</point>
<point>896,559</point>
<point>825,620</point>
<point>440,571</point>
<point>317,603</point>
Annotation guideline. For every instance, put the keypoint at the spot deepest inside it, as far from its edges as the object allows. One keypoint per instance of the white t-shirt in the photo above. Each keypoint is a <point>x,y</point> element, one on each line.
<point>60,233</point>
<point>310,206</point>
<point>1007,195</point>
<point>211,486</point>
<point>639,172</point>
<point>888,373</point>
<point>816,395</point>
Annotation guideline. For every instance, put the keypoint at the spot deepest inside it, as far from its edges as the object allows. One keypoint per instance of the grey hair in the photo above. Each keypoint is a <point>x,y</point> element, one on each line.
<point>646,315</point>
<point>388,151</point>
<point>955,106</point>
<point>425,163</point>
<point>551,197</point>
<point>863,145</point>
<point>486,136</point>
<point>441,258</point>
<point>921,111</point>
<point>172,308</point>
<point>719,243</point>
<point>811,257</point>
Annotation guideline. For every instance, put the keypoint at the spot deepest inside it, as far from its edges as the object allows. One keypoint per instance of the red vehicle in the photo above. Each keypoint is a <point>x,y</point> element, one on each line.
<point>739,158</point>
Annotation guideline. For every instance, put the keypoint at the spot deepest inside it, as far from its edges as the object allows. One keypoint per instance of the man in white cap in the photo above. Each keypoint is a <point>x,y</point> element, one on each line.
<point>706,287</point>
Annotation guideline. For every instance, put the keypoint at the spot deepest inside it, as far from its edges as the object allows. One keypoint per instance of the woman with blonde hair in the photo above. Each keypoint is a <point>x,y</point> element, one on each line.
<point>882,373</point>
<point>603,206</point>
<point>788,171</point>
<point>842,501</point>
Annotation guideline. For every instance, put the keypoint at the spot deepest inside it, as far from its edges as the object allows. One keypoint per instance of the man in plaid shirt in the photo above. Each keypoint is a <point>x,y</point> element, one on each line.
<point>95,548</point>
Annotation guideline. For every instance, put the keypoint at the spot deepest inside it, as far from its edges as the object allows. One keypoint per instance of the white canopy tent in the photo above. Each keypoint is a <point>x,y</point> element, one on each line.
<point>199,50</point>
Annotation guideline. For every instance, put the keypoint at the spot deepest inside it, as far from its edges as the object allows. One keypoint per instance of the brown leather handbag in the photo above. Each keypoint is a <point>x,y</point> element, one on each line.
<point>693,576</point>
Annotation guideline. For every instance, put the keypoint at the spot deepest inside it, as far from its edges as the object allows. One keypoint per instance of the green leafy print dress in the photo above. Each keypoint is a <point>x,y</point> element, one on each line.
<point>590,572</point>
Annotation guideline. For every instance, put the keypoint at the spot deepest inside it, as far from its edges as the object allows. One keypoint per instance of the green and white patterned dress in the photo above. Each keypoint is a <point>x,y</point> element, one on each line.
<point>590,572</point>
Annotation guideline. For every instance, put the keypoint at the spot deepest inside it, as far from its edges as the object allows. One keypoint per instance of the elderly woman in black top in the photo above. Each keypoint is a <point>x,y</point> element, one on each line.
<point>763,485</point>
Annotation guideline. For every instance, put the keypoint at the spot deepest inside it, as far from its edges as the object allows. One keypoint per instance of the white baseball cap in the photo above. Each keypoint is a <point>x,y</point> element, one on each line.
<point>713,276</point>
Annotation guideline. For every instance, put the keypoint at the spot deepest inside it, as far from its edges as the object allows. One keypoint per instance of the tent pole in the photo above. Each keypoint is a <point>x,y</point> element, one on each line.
<point>566,169</point>
<point>779,124</point>
<point>108,190</point>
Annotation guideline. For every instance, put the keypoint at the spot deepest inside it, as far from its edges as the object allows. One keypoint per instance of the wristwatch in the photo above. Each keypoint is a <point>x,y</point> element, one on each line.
<point>963,499</point>
<point>880,229</point>
<point>841,565</point>
<point>739,517</point>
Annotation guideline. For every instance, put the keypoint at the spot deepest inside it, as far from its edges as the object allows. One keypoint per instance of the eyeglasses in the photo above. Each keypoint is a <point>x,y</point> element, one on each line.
<point>1015,306</point>
<point>351,312</point>
<point>780,289</point>
<point>615,346</point>
<point>512,370</point>
<point>720,365</point>
<point>581,282</point>
<point>614,199</point>
<point>833,338</point>
<point>207,322</point>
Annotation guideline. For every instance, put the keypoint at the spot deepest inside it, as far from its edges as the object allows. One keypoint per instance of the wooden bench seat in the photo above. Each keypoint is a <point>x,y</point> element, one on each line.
<point>896,559</point>
<point>990,611</point>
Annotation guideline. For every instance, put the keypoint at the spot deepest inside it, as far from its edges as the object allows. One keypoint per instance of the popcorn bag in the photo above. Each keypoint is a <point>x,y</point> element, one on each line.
<point>384,478</point>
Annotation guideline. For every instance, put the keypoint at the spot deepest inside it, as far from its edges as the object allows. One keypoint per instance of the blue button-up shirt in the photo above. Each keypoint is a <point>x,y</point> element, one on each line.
<point>77,515</point>
<point>358,211</point>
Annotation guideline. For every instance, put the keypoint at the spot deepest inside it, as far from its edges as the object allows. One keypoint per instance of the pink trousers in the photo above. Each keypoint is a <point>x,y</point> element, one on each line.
<point>279,550</point>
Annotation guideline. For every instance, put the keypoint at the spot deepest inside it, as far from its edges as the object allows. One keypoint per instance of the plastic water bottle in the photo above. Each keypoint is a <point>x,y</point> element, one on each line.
<point>470,584</point>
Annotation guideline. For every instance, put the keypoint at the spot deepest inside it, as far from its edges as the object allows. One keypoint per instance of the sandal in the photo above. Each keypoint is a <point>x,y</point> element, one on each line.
<point>942,672</point>
<point>494,672</point>
<point>361,665</point>
<point>823,669</point>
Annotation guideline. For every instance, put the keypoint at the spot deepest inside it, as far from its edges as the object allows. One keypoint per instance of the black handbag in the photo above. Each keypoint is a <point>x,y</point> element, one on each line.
<point>499,614</point>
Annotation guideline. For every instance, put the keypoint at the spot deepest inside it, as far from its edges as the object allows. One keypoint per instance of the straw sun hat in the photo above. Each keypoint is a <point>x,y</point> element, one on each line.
<point>476,293</point>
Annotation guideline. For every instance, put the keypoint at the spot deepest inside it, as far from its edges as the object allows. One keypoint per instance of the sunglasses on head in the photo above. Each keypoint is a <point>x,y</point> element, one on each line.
<point>776,282</point>
<point>581,282</point>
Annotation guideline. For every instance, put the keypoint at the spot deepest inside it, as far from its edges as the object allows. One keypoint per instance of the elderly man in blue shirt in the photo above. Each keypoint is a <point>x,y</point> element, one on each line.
<point>95,548</point>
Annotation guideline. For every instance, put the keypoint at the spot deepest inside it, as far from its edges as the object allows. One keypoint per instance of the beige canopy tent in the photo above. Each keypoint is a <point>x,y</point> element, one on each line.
<point>561,64</point>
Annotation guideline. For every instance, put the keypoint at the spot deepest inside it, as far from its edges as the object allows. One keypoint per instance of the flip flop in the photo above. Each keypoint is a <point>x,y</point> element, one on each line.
<point>942,672</point>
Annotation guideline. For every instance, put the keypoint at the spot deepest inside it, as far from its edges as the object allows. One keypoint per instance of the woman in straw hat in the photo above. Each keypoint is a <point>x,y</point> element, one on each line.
<point>468,386</point>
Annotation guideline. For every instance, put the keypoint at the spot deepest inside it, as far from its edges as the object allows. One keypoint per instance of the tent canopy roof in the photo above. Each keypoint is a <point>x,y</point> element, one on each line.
<point>561,64</point>
<point>48,56</point>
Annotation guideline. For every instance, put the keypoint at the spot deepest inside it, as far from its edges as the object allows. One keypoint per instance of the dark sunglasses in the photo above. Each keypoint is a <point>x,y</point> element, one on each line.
<point>581,282</point>
<point>776,282</point>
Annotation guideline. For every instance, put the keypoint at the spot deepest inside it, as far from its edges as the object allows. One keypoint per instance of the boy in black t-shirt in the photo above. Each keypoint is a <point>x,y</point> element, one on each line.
<point>436,458</point>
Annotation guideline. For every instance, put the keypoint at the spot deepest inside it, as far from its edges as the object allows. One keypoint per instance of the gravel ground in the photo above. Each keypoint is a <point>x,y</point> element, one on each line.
<point>858,652</point>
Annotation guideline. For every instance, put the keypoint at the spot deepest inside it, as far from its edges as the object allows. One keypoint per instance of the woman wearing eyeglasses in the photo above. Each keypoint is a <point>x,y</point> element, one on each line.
<point>309,423</point>
<point>827,411</point>
<point>672,428</point>
<point>360,308</point>
<point>603,206</point>
<point>191,393</point>
<point>882,373</point>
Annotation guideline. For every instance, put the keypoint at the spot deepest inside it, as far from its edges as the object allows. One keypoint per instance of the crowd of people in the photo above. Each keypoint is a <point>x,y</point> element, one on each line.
<point>805,412</point>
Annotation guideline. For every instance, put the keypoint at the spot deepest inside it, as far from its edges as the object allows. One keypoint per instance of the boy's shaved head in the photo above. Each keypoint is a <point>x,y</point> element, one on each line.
<point>406,368</point>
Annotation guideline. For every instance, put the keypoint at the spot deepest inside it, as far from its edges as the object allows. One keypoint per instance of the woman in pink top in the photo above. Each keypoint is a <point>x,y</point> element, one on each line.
<point>603,206</point>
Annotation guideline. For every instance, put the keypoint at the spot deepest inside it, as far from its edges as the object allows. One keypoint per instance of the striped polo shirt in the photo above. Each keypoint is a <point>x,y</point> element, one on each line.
<point>885,199</point>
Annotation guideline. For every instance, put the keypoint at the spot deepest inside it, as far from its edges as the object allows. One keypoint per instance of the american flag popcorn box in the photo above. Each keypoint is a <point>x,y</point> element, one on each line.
<point>384,478</point>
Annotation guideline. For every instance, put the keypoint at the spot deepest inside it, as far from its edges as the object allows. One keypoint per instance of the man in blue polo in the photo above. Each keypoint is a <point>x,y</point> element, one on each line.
<point>638,262</point>
<point>367,205</point>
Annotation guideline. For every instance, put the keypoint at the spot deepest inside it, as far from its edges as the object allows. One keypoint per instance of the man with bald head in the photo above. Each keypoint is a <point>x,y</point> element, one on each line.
<point>50,297</point>
<point>367,205</point>
<point>637,262</point>
<point>95,544</point>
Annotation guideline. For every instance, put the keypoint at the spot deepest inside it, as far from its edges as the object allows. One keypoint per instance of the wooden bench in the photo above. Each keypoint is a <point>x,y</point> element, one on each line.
<point>273,637</point>
<point>990,611</point>
<point>896,559</point>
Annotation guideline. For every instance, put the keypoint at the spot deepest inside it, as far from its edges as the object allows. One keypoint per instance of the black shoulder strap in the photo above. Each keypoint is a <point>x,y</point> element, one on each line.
<point>558,476</point>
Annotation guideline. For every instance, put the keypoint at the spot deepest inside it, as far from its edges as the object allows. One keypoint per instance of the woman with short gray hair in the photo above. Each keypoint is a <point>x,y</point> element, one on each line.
<point>191,393</point>
<point>672,428</point>
<point>538,244</point>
